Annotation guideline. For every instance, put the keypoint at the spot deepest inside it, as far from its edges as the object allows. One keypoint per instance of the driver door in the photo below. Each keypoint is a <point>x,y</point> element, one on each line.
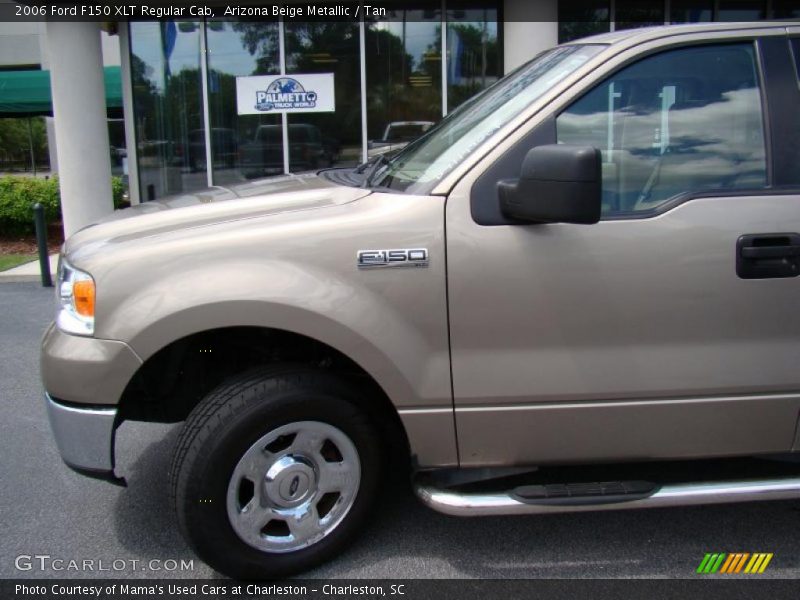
<point>638,337</point>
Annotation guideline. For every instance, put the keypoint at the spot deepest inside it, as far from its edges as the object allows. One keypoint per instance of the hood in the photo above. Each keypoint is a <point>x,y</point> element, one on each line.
<point>215,205</point>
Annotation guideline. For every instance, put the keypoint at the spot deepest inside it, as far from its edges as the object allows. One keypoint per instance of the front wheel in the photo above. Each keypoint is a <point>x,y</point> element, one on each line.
<point>275,472</point>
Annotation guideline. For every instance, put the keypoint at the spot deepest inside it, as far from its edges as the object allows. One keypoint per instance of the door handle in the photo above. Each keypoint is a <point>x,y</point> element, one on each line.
<point>771,252</point>
<point>768,255</point>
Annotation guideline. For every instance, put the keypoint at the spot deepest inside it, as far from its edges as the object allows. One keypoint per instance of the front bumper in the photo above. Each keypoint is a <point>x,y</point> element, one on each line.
<point>84,379</point>
<point>86,370</point>
<point>85,437</point>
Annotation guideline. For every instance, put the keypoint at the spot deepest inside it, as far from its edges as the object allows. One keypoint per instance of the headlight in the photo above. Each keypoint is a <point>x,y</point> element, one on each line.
<point>75,295</point>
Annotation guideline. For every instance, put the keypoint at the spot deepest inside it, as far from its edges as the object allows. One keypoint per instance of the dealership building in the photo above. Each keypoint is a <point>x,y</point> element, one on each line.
<point>183,118</point>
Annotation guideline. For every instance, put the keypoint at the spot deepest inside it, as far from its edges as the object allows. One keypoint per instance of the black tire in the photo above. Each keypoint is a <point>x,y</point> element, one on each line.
<point>230,420</point>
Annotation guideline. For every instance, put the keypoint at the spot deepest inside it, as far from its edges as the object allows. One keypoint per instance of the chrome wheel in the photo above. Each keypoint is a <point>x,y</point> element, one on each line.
<point>293,486</point>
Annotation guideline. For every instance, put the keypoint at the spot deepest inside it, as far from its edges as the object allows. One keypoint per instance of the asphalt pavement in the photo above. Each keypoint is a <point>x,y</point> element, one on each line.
<point>47,510</point>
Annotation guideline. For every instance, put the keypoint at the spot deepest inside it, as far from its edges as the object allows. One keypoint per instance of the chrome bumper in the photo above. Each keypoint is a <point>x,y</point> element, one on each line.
<point>85,437</point>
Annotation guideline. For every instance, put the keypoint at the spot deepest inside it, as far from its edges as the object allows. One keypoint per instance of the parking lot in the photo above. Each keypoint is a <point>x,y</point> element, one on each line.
<point>46,509</point>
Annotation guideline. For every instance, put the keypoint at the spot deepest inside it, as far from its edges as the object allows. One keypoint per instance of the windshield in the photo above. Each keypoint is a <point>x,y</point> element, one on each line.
<point>423,163</point>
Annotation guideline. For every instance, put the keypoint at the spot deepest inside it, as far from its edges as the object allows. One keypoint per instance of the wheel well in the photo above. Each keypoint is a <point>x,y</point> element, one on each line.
<point>172,382</point>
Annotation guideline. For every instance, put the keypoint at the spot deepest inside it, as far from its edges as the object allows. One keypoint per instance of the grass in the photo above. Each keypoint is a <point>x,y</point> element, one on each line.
<point>9,261</point>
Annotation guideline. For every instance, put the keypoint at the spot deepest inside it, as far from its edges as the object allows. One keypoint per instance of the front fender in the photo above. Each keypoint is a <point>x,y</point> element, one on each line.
<point>302,277</point>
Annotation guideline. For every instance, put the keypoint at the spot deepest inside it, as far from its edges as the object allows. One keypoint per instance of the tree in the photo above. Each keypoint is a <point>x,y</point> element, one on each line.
<point>16,138</point>
<point>476,65</point>
<point>260,39</point>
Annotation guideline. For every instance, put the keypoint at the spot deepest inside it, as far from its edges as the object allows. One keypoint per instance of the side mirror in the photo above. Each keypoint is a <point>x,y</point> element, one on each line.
<point>558,184</point>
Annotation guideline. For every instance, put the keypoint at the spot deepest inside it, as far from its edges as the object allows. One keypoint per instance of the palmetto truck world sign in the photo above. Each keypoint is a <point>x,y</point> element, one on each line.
<point>297,93</point>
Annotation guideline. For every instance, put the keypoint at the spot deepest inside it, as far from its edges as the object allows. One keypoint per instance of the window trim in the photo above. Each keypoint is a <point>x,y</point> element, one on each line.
<point>782,98</point>
<point>684,197</point>
<point>766,119</point>
<point>795,55</point>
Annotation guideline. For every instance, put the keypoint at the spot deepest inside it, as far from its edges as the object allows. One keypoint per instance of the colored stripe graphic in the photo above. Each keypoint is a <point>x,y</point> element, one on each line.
<point>703,563</point>
<point>765,563</point>
<point>742,560</point>
<point>723,563</point>
<point>758,563</point>
<point>727,564</point>
<point>711,563</point>
<point>717,564</point>
<point>754,563</point>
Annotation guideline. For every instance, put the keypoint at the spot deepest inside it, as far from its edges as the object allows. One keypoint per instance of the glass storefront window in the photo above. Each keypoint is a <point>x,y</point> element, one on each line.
<point>402,89</point>
<point>116,139</point>
<point>580,18</point>
<point>785,9</point>
<point>326,139</point>
<point>242,146</point>
<point>741,10</point>
<point>404,72</point>
<point>473,55</point>
<point>638,13</point>
<point>168,105</point>
<point>691,11</point>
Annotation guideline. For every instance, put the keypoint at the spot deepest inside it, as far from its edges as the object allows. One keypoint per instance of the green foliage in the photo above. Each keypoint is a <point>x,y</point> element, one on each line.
<point>16,136</point>
<point>117,191</point>
<point>17,197</point>
<point>19,194</point>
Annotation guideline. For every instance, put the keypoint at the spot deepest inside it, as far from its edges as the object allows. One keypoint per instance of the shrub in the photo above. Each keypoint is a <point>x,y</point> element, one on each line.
<point>17,197</point>
<point>117,191</point>
<point>19,194</point>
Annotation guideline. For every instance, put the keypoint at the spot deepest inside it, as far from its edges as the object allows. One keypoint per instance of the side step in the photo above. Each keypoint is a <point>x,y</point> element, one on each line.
<point>581,497</point>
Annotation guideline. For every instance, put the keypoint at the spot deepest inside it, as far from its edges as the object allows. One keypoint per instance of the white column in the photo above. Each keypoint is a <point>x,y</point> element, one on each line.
<point>284,115</point>
<point>443,52</point>
<point>362,65</point>
<point>205,100</point>
<point>528,29</point>
<point>79,109</point>
<point>44,60</point>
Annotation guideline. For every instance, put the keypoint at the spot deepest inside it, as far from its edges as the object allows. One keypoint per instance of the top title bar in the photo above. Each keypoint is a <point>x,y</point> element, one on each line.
<point>307,10</point>
<point>121,10</point>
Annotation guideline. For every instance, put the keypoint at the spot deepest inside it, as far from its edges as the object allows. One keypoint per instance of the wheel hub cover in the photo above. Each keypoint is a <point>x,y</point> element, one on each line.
<point>293,486</point>
<point>289,481</point>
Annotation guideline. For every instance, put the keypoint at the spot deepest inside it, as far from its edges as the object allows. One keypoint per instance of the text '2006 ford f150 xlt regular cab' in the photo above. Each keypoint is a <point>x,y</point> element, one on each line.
<point>593,262</point>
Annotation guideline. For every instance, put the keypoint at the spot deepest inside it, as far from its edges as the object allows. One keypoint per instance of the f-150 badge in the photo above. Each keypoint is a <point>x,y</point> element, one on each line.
<point>402,257</point>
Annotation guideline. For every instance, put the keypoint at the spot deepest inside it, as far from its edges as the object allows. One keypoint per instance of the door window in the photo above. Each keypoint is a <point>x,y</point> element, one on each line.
<point>685,120</point>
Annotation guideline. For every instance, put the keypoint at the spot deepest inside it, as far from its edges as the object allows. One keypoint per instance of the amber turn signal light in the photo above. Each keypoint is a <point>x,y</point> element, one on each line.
<point>83,293</point>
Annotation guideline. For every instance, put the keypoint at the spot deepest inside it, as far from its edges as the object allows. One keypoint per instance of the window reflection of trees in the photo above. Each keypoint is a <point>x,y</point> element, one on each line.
<point>165,73</point>
<point>260,40</point>
<point>326,47</point>
<point>473,59</point>
<point>237,49</point>
<point>404,69</point>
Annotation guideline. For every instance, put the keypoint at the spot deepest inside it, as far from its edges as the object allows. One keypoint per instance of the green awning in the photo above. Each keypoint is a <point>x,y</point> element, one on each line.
<point>27,93</point>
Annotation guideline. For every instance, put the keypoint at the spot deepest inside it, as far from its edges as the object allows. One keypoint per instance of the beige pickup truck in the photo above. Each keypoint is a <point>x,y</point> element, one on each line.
<point>585,274</point>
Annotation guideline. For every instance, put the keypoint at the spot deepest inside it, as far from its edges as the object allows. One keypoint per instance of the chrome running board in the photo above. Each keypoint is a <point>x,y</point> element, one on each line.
<point>684,494</point>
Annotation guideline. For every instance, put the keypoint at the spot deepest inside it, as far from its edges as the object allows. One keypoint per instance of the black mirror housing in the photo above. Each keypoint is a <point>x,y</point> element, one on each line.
<point>558,184</point>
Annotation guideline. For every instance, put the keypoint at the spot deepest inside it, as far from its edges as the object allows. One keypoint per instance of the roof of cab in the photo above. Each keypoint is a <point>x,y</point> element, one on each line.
<point>642,34</point>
